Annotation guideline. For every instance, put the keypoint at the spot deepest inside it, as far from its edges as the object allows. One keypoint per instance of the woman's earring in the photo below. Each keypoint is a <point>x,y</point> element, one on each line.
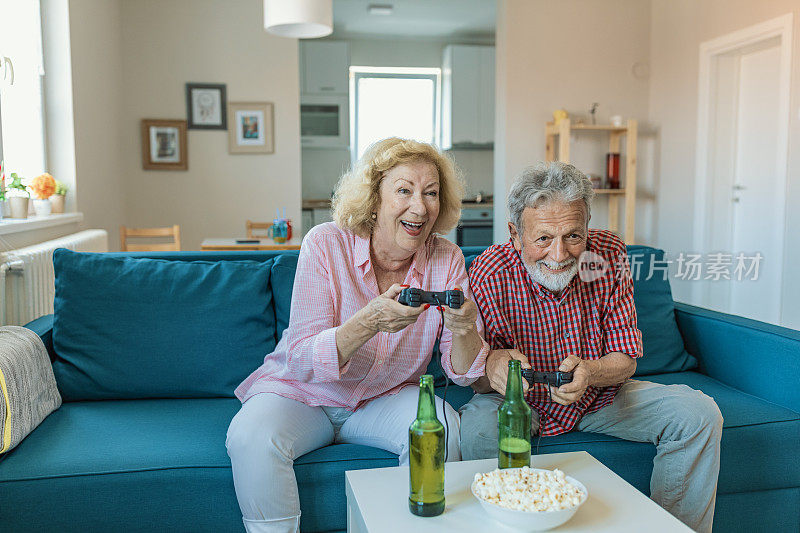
<point>374,215</point>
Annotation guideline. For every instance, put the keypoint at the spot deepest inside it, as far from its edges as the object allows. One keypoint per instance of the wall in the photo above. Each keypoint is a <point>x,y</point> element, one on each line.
<point>678,29</point>
<point>569,54</point>
<point>322,168</point>
<point>97,65</point>
<point>166,44</point>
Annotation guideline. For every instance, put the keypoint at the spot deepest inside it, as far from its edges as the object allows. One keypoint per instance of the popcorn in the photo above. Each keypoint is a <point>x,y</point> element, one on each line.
<point>525,489</point>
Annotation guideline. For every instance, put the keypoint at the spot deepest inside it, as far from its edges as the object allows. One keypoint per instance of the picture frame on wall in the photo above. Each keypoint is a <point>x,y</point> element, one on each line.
<point>164,145</point>
<point>252,128</point>
<point>205,106</point>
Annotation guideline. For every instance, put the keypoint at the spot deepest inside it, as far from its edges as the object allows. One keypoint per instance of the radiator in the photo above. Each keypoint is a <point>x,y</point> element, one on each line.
<point>27,279</point>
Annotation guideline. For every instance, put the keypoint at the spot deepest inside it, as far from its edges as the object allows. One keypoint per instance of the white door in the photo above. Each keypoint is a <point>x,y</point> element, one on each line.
<point>758,189</point>
<point>747,189</point>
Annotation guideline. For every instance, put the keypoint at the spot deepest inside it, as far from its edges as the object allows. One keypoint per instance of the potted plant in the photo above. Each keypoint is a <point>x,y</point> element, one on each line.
<point>18,197</point>
<point>43,187</point>
<point>57,200</point>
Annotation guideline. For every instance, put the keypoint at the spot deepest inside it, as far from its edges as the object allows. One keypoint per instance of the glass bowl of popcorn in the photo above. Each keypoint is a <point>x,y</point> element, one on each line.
<point>529,499</point>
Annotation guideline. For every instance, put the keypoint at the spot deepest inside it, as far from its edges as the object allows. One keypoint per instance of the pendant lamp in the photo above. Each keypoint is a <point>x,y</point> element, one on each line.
<point>301,19</point>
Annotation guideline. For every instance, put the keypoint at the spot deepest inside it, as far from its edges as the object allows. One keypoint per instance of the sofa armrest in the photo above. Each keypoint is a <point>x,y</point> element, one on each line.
<point>43,326</point>
<point>758,358</point>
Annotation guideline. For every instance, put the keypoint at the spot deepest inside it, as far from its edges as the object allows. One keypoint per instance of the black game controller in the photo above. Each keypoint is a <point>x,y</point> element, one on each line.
<point>554,379</point>
<point>414,297</point>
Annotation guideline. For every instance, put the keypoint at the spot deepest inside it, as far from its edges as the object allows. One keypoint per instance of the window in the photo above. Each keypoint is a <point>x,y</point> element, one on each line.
<point>393,103</point>
<point>21,105</point>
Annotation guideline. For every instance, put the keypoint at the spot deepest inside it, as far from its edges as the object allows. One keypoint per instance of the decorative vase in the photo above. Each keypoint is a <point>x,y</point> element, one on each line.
<point>18,207</point>
<point>57,203</point>
<point>42,208</point>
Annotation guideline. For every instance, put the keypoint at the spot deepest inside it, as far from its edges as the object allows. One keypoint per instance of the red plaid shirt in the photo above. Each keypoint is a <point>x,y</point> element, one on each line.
<point>589,320</point>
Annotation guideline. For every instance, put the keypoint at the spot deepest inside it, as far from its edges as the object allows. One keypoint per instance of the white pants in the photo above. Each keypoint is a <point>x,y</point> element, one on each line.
<point>269,432</point>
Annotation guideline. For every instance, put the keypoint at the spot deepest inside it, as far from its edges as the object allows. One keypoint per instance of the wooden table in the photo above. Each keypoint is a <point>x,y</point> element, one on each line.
<point>263,244</point>
<point>377,500</point>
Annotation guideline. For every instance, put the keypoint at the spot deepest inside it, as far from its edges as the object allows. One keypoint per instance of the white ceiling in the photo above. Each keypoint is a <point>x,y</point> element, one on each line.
<point>435,19</point>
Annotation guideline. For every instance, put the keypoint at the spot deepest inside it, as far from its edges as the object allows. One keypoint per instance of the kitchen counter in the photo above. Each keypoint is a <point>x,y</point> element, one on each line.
<point>317,204</point>
<point>326,204</point>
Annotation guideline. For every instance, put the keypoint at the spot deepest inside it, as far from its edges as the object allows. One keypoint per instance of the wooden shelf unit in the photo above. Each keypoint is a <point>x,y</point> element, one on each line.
<point>615,133</point>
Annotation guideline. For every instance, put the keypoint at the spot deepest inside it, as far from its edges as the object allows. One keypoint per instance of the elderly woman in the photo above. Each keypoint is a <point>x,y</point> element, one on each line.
<point>346,370</point>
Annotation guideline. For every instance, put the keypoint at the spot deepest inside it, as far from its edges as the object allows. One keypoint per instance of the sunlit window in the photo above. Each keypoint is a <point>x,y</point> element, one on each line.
<point>393,103</point>
<point>21,117</point>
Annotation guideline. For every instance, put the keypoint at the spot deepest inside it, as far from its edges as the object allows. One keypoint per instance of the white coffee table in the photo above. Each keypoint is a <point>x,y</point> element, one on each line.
<point>377,500</point>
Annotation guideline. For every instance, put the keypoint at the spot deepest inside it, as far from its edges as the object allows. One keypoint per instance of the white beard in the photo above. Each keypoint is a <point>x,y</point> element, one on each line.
<point>553,282</point>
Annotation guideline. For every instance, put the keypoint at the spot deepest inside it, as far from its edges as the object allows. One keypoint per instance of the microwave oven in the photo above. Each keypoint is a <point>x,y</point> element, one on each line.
<point>324,121</point>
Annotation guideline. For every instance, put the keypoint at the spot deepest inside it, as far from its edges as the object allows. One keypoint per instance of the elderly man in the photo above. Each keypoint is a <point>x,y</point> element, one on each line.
<point>537,310</point>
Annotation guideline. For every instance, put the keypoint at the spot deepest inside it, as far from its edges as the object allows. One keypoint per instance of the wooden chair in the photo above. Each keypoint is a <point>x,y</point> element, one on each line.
<point>258,225</point>
<point>169,231</point>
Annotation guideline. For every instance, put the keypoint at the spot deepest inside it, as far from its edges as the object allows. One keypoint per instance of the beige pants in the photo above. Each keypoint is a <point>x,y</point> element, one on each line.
<point>683,423</point>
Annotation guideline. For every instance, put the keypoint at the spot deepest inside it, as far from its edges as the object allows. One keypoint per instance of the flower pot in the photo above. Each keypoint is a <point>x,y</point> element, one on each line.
<point>3,208</point>
<point>18,207</point>
<point>42,207</point>
<point>57,203</point>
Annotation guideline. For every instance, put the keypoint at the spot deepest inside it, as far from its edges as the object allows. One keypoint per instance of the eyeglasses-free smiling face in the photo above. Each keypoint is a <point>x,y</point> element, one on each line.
<point>553,238</point>
<point>408,208</point>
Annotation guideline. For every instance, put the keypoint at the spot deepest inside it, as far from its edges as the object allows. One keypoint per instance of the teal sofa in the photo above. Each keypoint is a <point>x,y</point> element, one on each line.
<point>147,348</point>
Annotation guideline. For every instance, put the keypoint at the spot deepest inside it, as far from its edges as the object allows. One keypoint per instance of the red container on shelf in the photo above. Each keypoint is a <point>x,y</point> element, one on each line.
<point>612,170</point>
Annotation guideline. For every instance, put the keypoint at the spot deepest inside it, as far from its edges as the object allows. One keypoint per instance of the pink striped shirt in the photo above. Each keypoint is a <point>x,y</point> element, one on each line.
<point>334,280</point>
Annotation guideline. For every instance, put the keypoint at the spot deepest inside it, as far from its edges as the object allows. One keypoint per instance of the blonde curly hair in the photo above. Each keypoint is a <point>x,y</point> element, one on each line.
<point>357,194</point>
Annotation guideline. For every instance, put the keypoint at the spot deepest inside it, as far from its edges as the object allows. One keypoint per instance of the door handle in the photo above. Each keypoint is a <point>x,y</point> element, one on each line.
<point>9,65</point>
<point>739,187</point>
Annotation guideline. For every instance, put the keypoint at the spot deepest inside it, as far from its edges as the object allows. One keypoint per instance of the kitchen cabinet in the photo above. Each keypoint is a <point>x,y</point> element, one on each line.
<point>324,67</point>
<point>468,96</point>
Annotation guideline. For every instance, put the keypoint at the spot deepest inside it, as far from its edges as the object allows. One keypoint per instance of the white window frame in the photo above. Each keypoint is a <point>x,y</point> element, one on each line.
<point>360,72</point>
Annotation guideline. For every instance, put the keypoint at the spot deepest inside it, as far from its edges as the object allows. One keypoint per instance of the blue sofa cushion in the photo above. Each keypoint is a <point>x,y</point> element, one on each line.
<point>150,328</point>
<point>756,433</point>
<point>661,340</point>
<point>163,455</point>
<point>98,464</point>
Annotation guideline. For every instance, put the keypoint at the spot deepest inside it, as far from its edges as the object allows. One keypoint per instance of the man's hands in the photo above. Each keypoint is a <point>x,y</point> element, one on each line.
<point>461,321</point>
<point>582,373</point>
<point>497,368</point>
<point>385,313</point>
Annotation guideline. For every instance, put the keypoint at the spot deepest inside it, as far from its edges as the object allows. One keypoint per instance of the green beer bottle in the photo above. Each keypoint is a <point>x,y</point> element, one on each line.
<point>426,455</point>
<point>514,420</point>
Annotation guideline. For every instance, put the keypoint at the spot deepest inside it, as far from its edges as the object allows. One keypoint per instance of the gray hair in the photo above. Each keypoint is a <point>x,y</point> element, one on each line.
<point>545,183</point>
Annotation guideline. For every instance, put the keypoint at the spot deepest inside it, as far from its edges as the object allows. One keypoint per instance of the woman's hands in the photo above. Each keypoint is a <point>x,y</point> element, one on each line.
<point>461,321</point>
<point>385,313</point>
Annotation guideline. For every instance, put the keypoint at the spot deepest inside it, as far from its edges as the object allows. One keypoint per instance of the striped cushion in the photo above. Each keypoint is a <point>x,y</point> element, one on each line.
<point>28,391</point>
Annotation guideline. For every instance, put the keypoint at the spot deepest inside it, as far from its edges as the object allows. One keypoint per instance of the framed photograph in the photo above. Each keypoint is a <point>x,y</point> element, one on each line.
<point>252,129</point>
<point>205,106</point>
<point>164,145</point>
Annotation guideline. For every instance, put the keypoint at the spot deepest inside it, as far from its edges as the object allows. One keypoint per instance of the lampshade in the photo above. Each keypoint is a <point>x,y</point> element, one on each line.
<point>302,19</point>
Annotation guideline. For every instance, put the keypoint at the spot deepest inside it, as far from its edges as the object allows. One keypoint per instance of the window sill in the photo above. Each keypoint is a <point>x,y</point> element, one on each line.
<point>17,225</point>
